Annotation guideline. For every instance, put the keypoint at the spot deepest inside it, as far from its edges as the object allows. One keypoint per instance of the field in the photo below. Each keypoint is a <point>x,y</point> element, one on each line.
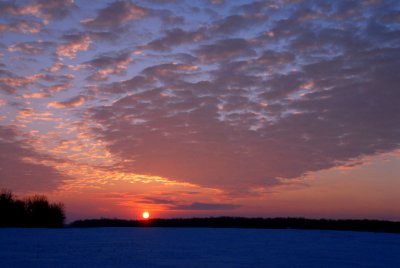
<point>196,247</point>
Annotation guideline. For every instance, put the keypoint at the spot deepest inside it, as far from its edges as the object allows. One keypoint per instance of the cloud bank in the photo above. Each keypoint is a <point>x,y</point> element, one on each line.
<point>238,96</point>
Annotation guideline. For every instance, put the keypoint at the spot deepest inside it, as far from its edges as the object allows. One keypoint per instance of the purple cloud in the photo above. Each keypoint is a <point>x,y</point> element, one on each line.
<point>206,206</point>
<point>115,15</point>
<point>175,37</point>
<point>225,49</point>
<point>20,167</point>
<point>108,64</point>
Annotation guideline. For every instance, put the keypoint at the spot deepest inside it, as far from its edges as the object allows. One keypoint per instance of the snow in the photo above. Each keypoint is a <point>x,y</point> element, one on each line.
<point>196,247</point>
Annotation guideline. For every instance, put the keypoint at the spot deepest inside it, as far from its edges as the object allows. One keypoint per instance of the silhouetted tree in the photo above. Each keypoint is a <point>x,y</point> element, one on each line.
<point>6,207</point>
<point>12,212</point>
<point>40,213</point>
<point>57,215</point>
<point>34,211</point>
<point>37,208</point>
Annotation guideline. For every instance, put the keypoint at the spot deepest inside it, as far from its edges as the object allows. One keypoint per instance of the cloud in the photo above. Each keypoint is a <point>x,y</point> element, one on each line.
<point>35,95</point>
<point>392,16</point>
<point>55,9</point>
<point>108,64</point>
<point>21,26</point>
<point>57,88</point>
<point>236,23</point>
<point>138,82</point>
<point>103,35</point>
<point>11,83</point>
<point>158,2</point>
<point>57,66</point>
<point>74,44</point>
<point>260,112</point>
<point>26,115</point>
<point>30,48</point>
<point>20,166</point>
<point>58,78</point>
<point>175,37</point>
<point>155,200</point>
<point>206,206</point>
<point>20,81</point>
<point>168,70</point>
<point>175,204</point>
<point>223,50</point>
<point>45,9</point>
<point>216,2</point>
<point>115,15</point>
<point>73,102</point>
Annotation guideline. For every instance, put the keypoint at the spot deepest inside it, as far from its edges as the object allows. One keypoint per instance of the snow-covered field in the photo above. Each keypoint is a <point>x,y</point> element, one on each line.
<point>197,247</point>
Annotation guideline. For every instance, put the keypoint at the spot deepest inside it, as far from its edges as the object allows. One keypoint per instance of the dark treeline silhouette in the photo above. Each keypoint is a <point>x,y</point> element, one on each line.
<point>260,223</point>
<point>34,211</point>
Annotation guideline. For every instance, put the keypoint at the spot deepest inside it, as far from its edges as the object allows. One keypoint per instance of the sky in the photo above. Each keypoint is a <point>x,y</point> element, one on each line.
<point>202,108</point>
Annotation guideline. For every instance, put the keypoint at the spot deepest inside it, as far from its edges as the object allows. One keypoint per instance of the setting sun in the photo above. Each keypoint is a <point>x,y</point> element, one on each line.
<point>146,215</point>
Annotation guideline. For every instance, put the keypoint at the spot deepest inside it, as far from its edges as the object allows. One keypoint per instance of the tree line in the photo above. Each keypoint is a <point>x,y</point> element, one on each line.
<point>35,211</point>
<point>252,223</point>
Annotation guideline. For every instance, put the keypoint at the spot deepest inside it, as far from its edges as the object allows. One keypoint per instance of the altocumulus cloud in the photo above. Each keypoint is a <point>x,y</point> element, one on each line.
<point>73,102</point>
<point>323,98</point>
<point>237,96</point>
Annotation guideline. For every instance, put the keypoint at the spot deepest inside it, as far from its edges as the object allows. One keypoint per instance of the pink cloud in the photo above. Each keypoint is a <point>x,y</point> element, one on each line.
<point>73,46</point>
<point>44,9</point>
<point>20,81</point>
<point>35,95</point>
<point>30,48</point>
<point>21,26</point>
<point>57,88</point>
<point>73,102</point>
<point>57,66</point>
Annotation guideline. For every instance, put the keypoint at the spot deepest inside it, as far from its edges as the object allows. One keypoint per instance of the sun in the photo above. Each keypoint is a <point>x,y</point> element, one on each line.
<point>146,215</point>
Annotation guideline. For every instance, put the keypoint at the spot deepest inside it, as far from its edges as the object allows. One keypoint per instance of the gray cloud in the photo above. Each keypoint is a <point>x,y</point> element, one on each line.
<point>236,23</point>
<point>116,14</point>
<point>206,206</point>
<point>108,64</point>
<point>225,49</point>
<point>55,9</point>
<point>175,37</point>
